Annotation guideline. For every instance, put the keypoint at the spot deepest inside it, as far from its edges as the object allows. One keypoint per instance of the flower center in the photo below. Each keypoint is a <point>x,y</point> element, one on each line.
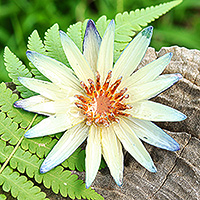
<point>102,104</point>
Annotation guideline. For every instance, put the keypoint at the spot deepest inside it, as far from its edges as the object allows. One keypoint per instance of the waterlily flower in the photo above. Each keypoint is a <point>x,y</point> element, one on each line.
<point>109,105</point>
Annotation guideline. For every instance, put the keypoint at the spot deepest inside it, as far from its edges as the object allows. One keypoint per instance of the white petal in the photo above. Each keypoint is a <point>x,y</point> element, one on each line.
<point>55,71</point>
<point>93,154</point>
<point>149,72</point>
<point>45,88</point>
<point>55,124</point>
<point>91,44</point>
<point>133,145</point>
<point>105,59</point>
<point>67,144</point>
<point>76,58</point>
<point>152,111</point>
<point>132,54</point>
<point>41,105</point>
<point>152,134</point>
<point>112,152</point>
<point>151,89</point>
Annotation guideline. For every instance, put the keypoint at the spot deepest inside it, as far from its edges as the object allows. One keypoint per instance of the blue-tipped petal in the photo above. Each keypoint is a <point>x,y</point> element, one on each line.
<point>148,73</point>
<point>152,134</point>
<point>91,44</point>
<point>153,88</point>
<point>53,124</point>
<point>67,144</point>
<point>133,145</point>
<point>152,111</point>
<point>55,71</point>
<point>133,54</point>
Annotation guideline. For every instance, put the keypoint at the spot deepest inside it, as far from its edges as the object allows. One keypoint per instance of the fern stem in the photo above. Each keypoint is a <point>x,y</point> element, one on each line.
<point>17,145</point>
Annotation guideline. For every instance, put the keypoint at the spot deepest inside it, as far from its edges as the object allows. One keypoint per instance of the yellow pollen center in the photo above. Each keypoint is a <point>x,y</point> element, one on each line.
<point>102,104</point>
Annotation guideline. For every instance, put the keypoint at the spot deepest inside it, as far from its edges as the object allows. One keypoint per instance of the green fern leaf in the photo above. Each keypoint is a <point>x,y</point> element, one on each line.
<point>16,69</point>
<point>9,130</point>
<point>75,32</point>
<point>40,146</point>
<point>102,24</point>
<point>19,186</point>
<point>58,179</point>
<point>35,44</point>
<point>127,24</point>
<point>6,105</point>
<point>76,160</point>
<point>53,44</point>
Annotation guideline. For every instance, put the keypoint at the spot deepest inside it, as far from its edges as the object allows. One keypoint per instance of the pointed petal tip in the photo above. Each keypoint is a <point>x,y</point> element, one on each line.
<point>170,54</point>
<point>43,169</point>
<point>17,105</point>
<point>28,134</point>
<point>152,169</point>
<point>147,32</point>
<point>90,23</point>
<point>62,33</point>
<point>87,185</point>
<point>112,24</point>
<point>119,183</point>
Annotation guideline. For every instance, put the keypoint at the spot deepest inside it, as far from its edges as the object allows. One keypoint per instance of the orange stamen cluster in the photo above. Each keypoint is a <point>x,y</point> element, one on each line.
<point>103,104</point>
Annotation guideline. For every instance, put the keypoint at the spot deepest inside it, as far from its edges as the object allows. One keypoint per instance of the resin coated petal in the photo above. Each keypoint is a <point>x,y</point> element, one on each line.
<point>152,134</point>
<point>149,72</point>
<point>53,124</point>
<point>91,44</point>
<point>93,154</point>
<point>112,152</point>
<point>105,58</point>
<point>133,145</point>
<point>67,144</point>
<point>55,71</point>
<point>133,54</point>
<point>152,111</point>
<point>151,89</point>
<point>76,58</point>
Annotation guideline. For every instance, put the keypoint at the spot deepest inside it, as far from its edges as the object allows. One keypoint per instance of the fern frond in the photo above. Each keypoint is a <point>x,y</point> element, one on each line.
<point>75,32</point>
<point>35,44</point>
<point>58,179</point>
<point>16,69</point>
<point>7,98</point>
<point>40,146</point>
<point>53,44</point>
<point>127,24</point>
<point>102,24</point>
<point>76,160</point>
<point>9,130</point>
<point>19,186</point>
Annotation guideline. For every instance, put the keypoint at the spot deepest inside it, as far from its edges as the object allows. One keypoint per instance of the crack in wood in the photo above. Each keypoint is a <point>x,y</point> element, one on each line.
<point>169,172</point>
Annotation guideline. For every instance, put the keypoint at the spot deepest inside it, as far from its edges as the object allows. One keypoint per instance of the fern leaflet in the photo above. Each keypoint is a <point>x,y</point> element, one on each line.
<point>35,44</point>
<point>16,69</point>
<point>7,100</point>
<point>53,44</point>
<point>19,186</point>
<point>9,130</point>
